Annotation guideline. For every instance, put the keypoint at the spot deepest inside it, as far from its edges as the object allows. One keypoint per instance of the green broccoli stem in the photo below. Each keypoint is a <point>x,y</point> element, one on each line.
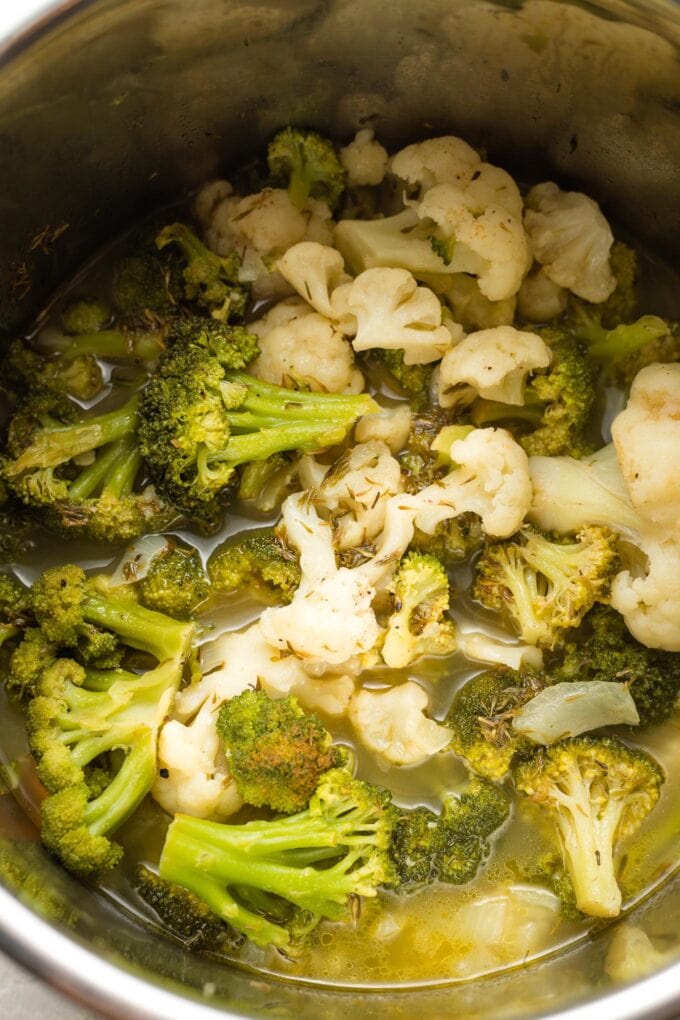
<point>113,471</point>
<point>268,402</point>
<point>138,627</point>
<point>128,788</point>
<point>7,632</point>
<point>262,444</point>
<point>107,344</point>
<point>178,233</point>
<point>588,842</point>
<point>54,446</point>
<point>486,412</point>
<point>616,344</point>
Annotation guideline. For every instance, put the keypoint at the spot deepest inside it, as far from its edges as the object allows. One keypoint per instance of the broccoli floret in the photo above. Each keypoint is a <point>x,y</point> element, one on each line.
<point>146,289</point>
<point>298,870</point>
<point>604,649</point>
<point>81,475</point>
<point>175,583</point>
<point>258,561</point>
<point>598,792</point>
<point>481,715</point>
<point>452,540</point>
<point>184,914</point>
<point>200,420</point>
<point>267,483</point>
<point>419,624</point>
<point>15,600</point>
<point>308,165</point>
<point>413,381</point>
<point>210,280</point>
<point>451,846</point>
<point>78,717</point>
<point>546,584</point>
<point>420,464</point>
<point>27,662</point>
<point>276,752</point>
<point>622,305</point>
<point>548,869</point>
<point>26,370</point>
<point>556,414</point>
<point>85,315</point>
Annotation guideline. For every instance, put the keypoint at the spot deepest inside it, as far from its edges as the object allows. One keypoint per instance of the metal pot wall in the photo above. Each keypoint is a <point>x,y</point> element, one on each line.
<point>109,108</point>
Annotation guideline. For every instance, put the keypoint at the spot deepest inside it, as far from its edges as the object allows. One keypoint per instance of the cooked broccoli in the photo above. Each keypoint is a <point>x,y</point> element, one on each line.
<point>296,870</point>
<point>78,716</point>
<point>85,315</point>
<point>414,381</point>
<point>266,483</point>
<point>546,584</point>
<point>604,649</point>
<point>419,624</point>
<point>258,561</point>
<point>200,419</point>
<point>81,475</point>
<point>175,583</point>
<point>307,165</point>
<point>548,869</point>
<point>420,464</point>
<point>276,752</point>
<point>210,280</point>
<point>147,289</point>
<point>598,792</point>
<point>452,540</point>
<point>555,417</point>
<point>184,914</point>
<point>622,305</point>
<point>481,715</point>
<point>27,662</point>
<point>23,867</point>
<point>15,600</point>
<point>448,847</point>
<point>25,369</point>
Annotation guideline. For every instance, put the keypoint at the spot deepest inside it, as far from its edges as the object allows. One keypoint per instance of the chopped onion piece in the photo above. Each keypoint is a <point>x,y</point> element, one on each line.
<point>568,709</point>
<point>136,561</point>
<point>482,648</point>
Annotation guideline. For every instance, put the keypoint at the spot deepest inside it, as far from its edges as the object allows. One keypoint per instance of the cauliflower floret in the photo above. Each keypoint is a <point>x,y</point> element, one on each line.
<point>650,604</point>
<point>647,440</point>
<point>571,239</point>
<point>539,298</point>
<point>394,313</point>
<point>314,271</point>
<point>480,647</point>
<point>486,228</point>
<point>356,490</point>
<point>364,159</point>
<point>390,425</point>
<point>299,347</point>
<point>467,303</point>
<point>393,724</point>
<point>492,363</point>
<point>435,161</point>
<point>261,227</point>
<point>330,620</point>
<point>209,197</point>
<point>328,694</point>
<point>491,478</point>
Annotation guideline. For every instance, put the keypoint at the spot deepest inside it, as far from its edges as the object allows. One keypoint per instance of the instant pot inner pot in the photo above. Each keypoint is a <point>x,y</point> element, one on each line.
<point>110,108</point>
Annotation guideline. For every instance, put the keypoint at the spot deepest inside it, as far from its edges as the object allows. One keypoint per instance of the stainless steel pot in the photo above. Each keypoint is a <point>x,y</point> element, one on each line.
<point>111,107</point>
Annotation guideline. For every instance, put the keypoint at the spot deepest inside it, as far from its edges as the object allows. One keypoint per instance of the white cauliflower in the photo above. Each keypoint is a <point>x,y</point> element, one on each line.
<point>330,620</point>
<point>571,239</point>
<point>260,228</point>
<point>390,425</point>
<point>492,363</point>
<point>314,271</point>
<point>394,313</point>
<point>364,159</point>
<point>647,440</point>
<point>356,490</point>
<point>435,161</point>
<point>540,299</point>
<point>491,478</point>
<point>468,305</point>
<point>649,598</point>
<point>392,723</point>
<point>299,347</point>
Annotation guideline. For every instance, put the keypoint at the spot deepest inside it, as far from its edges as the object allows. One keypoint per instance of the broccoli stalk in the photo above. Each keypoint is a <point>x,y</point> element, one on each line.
<point>308,165</point>
<point>258,562</point>
<point>547,585</point>
<point>597,792</point>
<point>276,752</point>
<point>250,873</point>
<point>210,280</point>
<point>419,624</point>
<point>77,375</point>
<point>200,418</point>
<point>108,344</point>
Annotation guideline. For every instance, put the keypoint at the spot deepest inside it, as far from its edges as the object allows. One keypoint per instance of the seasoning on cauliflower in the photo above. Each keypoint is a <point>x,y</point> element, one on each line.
<point>356,489</point>
<point>301,349</point>
<point>260,228</point>
<point>571,239</point>
<point>493,364</point>
<point>392,723</point>
<point>314,271</point>
<point>647,440</point>
<point>390,425</point>
<point>394,313</point>
<point>364,159</point>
